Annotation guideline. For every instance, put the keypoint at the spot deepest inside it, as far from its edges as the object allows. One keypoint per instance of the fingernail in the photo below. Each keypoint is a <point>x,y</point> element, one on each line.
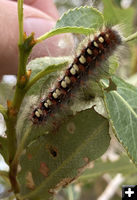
<point>37,25</point>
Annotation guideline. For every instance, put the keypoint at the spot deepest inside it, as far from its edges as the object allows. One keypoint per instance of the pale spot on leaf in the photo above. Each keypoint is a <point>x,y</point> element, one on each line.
<point>29,181</point>
<point>29,156</point>
<point>86,159</point>
<point>44,169</point>
<point>71,127</point>
<point>19,168</point>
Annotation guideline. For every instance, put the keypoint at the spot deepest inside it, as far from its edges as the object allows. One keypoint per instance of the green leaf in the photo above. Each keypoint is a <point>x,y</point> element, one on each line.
<point>122,165</point>
<point>54,160</point>
<point>87,17</point>
<point>45,67</point>
<point>116,15</point>
<point>81,20</point>
<point>122,109</point>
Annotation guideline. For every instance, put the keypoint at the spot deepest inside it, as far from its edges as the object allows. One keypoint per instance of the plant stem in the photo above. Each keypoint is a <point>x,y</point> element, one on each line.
<point>13,109</point>
<point>21,68</point>
<point>20,20</point>
<point>131,37</point>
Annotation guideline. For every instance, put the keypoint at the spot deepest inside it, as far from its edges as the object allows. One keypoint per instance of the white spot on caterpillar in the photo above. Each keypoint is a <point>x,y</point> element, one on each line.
<point>37,114</point>
<point>82,59</point>
<point>40,111</point>
<point>63,84</point>
<point>89,51</point>
<point>95,44</point>
<point>76,67</point>
<point>101,39</point>
<point>55,95</point>
<point>67,80</point>
<point>107,35</point>
<point>58,92</point>
<point>72,71</point>
<point>49,102</point>
<point>46,105</point>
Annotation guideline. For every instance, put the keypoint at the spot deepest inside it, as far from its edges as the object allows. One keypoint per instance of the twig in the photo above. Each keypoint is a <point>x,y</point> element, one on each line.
<point>111,188</point>
<point>131,37</point>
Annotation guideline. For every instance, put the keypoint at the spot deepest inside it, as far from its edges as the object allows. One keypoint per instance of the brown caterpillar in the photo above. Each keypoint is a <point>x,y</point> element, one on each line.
<point>84,66</point>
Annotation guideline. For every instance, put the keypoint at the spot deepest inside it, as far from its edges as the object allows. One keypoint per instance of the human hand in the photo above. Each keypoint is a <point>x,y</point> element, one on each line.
<point>39,17</point>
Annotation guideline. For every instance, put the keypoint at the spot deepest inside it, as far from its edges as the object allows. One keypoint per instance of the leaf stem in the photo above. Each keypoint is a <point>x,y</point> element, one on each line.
<point>131,37</point>
<point>57,31</point>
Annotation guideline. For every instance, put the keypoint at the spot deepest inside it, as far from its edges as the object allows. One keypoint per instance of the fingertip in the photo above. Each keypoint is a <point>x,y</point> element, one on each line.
<point>46,6</point>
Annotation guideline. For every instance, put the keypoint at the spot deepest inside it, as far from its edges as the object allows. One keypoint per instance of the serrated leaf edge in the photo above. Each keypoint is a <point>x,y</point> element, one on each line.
<point>78,8</point>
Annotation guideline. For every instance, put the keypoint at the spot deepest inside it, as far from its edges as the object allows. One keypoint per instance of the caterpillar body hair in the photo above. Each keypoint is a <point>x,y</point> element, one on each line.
<point>84,66</point>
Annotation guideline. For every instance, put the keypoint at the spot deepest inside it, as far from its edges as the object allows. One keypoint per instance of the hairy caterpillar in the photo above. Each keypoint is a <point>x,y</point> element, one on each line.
<point>84,66</point>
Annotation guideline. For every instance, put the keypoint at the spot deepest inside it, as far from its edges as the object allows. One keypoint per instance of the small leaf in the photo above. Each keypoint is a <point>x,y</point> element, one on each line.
<point>56,159</point>
<point>87,17</point>
<point>47,65</point>
<point>81,20</point>
<point>122,109</point>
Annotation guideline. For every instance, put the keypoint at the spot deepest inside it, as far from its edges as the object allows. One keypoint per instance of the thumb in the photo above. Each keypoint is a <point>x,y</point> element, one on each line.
<point>34,21</point>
